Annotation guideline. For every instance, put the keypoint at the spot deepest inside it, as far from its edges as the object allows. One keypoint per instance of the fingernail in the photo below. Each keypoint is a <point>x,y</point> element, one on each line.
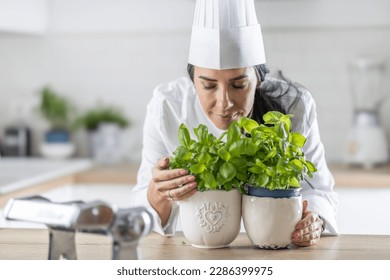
<point>183,172</point>
<point>191,178</point>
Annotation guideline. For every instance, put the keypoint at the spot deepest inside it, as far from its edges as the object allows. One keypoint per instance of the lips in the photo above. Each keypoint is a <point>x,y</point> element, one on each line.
<point>226,117</point>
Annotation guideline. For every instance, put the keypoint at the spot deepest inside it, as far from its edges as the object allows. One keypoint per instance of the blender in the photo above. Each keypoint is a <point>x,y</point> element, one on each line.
<point>366,141</point>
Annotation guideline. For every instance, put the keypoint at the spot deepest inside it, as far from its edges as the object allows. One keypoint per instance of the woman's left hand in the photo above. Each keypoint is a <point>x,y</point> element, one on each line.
<point>308,230</point>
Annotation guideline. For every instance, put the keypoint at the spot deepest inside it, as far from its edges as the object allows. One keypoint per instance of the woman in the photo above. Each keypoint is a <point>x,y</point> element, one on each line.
<point>227,80</point>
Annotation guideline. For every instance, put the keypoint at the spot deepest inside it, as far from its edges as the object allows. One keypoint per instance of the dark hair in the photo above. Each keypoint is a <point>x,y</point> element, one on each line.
<point>264,101</point>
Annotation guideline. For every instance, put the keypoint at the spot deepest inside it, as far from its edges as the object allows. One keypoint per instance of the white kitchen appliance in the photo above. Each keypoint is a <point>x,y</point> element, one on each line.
<point>366,141</point>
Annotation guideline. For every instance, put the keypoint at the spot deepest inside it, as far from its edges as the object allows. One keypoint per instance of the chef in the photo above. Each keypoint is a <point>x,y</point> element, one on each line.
<point>227,79</point>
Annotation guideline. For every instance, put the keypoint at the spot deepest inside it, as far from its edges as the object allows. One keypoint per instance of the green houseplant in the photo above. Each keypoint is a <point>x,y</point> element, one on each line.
<point>57,111</point>
<point>249,157</point>
<point>104,125</point>
<point>265,156</point>
<point>104,114</point>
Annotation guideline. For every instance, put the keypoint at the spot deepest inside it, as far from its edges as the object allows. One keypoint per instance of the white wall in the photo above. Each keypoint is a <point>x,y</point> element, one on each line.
<point>117,51</point>
<point>23,16</point>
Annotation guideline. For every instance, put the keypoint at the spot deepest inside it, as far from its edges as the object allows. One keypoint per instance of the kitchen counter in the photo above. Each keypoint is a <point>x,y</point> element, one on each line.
<point>74,172</point>
<point>358,177</point>
<point>20,173</point>
<point>29,244</point>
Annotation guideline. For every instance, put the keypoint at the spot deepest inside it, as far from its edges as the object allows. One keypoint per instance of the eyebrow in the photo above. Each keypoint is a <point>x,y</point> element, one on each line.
<point>232,79</point>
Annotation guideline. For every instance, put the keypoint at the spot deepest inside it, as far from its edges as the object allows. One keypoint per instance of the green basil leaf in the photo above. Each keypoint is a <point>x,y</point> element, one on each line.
<point>248,124</point>
<point>236,148</point>
<point>250,148</point>
<point>240,163</point>
<point>281,131</point>
<point>271,153</point>
<point>298,139</point>
<point>221,180</point>
<point>242,176</point>
<point>270,171</point>
<point>272,117</point>
<point>202,134</point>
<point>197,168</point>
<point>182,154</point>
<point>227,170</point>
<point>233,133</point>
<point>296,165</point>
<point>203,157</point>
<point>184,136</point>
<point>287,121</point>
<point>228,186</point>
<point>310,166</point>
<point>195,147</point>
<point>209,180</point>
<point>225,155</point>
<point>294,182</point>
<point>256,170</point>
<point>262,180</point>
<point>260,164</point>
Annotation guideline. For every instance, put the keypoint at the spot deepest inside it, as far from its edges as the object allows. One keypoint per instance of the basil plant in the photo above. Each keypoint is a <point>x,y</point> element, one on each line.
<point>268,155</point>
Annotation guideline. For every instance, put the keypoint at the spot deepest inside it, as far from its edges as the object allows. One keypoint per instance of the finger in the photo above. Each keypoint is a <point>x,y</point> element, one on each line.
<point>305,206</point>
<point>173,184</point>
<point>163,163</point>
<point>307,230</point>
<point>164,175</point>
<point>309,234</point>
<point>308,239</point>
<point>184,191</point>
<point>308,218</point>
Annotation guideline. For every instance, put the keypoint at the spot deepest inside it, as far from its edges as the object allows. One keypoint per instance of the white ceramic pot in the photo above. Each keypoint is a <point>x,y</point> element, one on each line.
<point>105,143</point>
<point>269,222</point>
<point>57,150</point>
<point>211,219</point>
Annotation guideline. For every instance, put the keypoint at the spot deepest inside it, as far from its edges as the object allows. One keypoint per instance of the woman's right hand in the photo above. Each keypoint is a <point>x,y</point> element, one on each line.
<point>167,186</point>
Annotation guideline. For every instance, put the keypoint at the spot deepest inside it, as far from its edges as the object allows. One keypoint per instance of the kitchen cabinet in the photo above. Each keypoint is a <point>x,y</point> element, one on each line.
<point>23,16</point>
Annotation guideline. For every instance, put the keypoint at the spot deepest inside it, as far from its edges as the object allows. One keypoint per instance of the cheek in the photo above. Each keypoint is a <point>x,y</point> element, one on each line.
<point>205,100</point>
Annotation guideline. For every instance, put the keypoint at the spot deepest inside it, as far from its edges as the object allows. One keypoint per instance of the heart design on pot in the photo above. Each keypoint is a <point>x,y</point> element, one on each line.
<point>213,217</point>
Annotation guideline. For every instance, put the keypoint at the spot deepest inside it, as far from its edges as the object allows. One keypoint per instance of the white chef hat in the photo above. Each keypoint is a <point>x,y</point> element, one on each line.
<point>226,35</point>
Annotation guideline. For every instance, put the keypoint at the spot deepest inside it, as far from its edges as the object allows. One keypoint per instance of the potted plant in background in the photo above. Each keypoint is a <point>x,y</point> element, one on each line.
<point>261,164</point>
<point>104,125</point>
<point>56,110</point>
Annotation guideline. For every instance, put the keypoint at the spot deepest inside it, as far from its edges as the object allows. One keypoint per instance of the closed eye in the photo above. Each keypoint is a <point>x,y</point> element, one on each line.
<point>239,86</point>
<point>208,87</point>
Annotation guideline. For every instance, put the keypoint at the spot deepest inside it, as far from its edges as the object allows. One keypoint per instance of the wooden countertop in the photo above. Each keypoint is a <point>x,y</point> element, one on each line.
<point>29,244</point>
<point>98,174</point>
<point>356,176</point>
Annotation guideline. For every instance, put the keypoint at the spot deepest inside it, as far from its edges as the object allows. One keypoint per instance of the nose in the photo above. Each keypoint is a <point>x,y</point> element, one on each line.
<point>223,99</point>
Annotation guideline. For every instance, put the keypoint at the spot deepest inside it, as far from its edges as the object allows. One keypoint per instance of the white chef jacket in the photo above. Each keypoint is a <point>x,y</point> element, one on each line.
<point>176,102</point>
